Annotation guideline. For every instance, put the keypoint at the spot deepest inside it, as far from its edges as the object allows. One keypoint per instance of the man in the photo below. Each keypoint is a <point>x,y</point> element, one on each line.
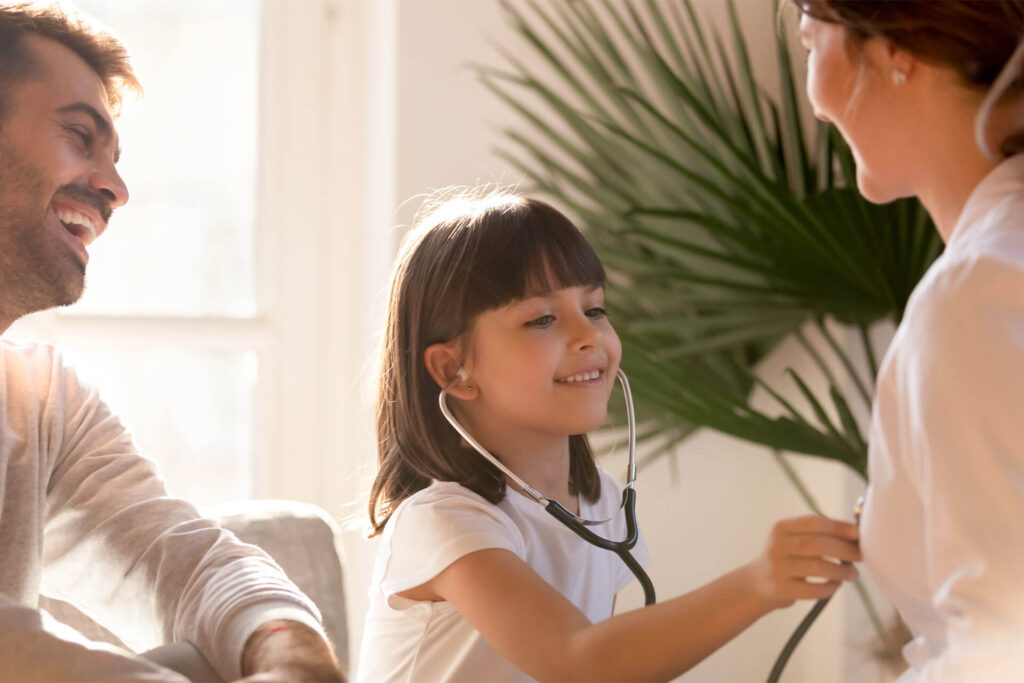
<point>82,516</point>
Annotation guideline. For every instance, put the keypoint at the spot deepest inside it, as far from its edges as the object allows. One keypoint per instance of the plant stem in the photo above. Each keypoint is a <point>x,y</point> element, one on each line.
<point>869,351</point>
<point>794,478</point>
<point>818,360</point>
<point>846,363</point>
<point>869,607</point>
<point>798,483</point>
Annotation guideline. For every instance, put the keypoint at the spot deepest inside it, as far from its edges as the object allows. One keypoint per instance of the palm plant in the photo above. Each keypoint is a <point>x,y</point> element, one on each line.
<point>723,229</point>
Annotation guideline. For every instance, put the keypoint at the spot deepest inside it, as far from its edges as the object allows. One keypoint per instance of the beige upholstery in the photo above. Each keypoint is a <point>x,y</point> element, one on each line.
<point>300,537</point>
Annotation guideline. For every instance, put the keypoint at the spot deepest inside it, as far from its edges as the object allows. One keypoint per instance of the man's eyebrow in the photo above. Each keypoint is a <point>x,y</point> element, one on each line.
<point>103,125</point>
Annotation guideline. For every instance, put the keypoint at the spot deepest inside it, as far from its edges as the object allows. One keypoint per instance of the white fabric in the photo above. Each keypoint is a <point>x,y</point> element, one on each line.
<point>85,519</point>
<point>943,523</point>
<point>406,640</point>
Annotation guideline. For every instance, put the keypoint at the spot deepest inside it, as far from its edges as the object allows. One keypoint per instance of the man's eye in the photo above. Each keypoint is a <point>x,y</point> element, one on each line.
<point>597,312</point>
<point>542,321</point>
<point>83,136</point>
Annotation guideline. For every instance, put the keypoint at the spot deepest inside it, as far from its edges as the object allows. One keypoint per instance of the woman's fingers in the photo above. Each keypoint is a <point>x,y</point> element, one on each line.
<point>816,525</point>
<point>806,558</point>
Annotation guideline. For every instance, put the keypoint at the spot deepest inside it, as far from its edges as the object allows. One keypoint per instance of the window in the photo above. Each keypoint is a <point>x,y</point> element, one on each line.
<point>225,317</point>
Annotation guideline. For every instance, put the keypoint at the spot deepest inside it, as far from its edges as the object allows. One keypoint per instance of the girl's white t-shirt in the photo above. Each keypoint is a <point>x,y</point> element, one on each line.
<point>408,640</point>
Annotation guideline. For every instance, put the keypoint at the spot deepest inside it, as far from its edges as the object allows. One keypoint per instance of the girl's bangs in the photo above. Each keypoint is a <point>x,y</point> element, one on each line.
<point>519,256</point>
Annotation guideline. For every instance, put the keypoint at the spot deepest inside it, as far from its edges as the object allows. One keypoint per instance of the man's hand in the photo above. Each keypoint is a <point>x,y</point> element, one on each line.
<point>289,651</point>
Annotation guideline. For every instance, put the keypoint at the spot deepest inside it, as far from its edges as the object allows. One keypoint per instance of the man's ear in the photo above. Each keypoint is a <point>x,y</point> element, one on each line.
<point>443,363</point>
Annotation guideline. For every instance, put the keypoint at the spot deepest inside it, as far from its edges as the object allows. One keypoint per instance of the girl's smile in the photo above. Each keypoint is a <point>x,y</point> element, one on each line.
<point>540,367</point>
<point>585,378</point>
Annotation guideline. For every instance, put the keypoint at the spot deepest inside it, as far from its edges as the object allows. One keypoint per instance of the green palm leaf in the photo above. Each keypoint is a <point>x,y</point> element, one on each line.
<point>724,232</point>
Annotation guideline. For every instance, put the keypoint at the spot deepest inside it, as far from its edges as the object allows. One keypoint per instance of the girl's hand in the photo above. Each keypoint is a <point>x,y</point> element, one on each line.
<point>801,560</point>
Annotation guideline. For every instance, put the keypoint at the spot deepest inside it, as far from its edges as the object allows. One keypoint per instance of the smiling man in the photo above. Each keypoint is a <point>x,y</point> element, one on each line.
<point>82,516</point>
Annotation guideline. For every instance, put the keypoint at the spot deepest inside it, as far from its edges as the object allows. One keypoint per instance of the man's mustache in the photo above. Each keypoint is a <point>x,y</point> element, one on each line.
<point>88,196</point>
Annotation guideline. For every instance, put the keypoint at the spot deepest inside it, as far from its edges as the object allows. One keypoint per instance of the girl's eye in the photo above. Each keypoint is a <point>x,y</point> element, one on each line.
<point>542,321</point>
<point>596,313</point>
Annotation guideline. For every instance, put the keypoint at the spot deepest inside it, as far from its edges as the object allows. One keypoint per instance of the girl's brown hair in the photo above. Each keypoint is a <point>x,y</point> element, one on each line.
<point>470,255</point>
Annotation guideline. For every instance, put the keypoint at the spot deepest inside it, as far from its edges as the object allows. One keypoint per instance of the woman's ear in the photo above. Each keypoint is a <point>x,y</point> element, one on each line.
<point>443,364</point>
<point>900,64</point>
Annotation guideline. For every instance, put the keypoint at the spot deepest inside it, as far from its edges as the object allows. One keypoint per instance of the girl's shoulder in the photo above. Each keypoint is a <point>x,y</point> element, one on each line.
<point>437,525</point>
<point>446,507</point>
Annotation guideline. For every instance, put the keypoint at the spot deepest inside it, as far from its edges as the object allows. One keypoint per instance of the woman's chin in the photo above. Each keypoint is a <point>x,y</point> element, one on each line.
<point>875,192</point>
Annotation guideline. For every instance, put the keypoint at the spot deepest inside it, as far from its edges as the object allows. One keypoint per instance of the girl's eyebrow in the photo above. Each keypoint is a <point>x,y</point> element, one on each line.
<point>548,293</point>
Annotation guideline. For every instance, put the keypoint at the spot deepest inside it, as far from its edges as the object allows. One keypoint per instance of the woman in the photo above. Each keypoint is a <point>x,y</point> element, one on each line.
<point>930,97</point>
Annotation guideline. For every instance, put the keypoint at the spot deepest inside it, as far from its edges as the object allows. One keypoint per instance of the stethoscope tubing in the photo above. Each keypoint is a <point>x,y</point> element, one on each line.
<point>575,523</point>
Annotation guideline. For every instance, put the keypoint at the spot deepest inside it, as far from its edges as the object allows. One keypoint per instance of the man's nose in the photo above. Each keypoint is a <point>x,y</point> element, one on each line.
<point>107,181</point>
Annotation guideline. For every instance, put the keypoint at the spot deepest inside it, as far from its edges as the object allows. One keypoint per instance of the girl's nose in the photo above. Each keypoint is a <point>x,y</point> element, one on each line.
<point>584,333</point>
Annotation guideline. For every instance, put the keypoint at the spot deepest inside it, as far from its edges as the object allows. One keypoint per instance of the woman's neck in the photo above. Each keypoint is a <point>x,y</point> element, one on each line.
<point>953,166</point>
<point>950,186</point>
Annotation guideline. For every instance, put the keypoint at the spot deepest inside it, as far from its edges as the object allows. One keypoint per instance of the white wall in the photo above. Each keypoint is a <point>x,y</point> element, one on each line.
<point>710,509</point>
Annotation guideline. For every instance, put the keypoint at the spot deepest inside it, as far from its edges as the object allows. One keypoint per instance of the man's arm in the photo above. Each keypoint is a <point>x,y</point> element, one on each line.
<point>28,652</point>
<point>145,565</point>
<point>291,650</point>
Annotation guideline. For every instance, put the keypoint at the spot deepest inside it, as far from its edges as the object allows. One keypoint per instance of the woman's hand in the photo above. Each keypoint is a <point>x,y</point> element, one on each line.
<point>806,558</point>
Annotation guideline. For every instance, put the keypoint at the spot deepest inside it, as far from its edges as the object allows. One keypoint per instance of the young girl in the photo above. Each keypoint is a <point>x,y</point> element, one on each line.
<point>930,97</point>
<point>499,299</point>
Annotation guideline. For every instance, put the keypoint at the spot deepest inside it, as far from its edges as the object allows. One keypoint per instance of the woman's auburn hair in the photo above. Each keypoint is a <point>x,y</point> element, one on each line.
<point>472,253</point>
<point>974,38</point>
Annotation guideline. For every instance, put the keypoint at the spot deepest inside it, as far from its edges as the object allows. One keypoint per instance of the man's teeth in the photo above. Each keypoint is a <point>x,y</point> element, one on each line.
<point>585,377</point>
<point>69,217</point>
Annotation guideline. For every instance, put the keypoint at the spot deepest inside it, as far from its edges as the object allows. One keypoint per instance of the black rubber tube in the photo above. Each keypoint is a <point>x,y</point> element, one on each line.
<point>795,639</point>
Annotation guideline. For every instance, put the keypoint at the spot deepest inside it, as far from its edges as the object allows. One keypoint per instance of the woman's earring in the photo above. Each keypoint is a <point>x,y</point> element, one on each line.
<point>899,77</point>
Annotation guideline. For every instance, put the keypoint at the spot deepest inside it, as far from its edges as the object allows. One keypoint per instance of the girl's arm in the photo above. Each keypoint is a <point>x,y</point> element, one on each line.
<point>547,637</point>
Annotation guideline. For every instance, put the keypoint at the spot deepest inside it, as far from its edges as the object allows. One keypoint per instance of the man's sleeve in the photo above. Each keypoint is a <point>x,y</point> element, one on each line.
<point>29,652</point>
<point>144,565</point>
<point>965,386</point>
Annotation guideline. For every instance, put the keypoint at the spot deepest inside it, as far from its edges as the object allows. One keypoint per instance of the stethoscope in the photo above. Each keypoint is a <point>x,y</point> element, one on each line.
<point>575,523</point>
<point>621,548</point>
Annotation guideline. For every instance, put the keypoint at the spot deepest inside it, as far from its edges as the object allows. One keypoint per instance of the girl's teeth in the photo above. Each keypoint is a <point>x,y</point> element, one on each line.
<point>583,378</point>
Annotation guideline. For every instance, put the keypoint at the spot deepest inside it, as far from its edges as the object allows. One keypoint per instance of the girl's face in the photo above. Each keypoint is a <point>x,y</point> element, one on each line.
<point>852,87</point>
<point>543,367</point>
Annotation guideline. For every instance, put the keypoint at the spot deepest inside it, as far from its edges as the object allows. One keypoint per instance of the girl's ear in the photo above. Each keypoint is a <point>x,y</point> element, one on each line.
<point>443,364</point>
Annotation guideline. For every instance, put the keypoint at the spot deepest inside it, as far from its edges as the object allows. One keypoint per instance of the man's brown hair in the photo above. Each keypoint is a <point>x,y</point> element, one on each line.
<point>103,52</point>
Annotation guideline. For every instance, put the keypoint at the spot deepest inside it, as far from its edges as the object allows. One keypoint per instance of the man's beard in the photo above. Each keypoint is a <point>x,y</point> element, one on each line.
<point>36,271</point>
